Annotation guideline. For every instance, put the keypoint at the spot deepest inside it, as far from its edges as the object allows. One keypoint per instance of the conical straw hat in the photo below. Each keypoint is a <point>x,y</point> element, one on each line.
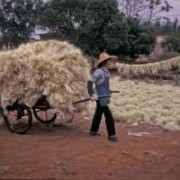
<point>104,57</point>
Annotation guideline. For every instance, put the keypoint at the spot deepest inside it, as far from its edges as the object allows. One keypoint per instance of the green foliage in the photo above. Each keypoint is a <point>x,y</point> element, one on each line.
<point>141,38</point>
<point>95,25</point>
<point>116,35</point>
<point>17,20</point>
<point>84,23</point>
<point>173,42</point>
<point>103,27</point>
<point>63,17</point>
<point>92,25</point>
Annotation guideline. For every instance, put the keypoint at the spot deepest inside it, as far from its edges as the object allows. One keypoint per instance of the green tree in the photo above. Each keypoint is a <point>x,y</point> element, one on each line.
<point>173,42</point>
<point>90,24</point>
<point>63,17</point>
<point>141,37</point>
<point>116,35</point>
<point>103,26</point>
<point>18,19</point>
<point>96,25</point>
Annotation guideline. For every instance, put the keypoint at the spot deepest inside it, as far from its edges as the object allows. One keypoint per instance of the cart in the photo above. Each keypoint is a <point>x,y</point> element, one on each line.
<point>18,116</point>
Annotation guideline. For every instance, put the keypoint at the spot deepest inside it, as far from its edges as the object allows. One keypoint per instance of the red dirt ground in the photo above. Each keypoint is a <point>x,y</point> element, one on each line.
<point>68,152</point>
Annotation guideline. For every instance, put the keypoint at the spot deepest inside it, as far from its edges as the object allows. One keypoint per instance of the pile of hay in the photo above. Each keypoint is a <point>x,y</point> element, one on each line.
<point>52,68</point>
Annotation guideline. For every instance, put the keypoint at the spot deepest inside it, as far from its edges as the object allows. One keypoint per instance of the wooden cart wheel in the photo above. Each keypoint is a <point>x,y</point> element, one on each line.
<point>17,118</point>
<point>43,112</point>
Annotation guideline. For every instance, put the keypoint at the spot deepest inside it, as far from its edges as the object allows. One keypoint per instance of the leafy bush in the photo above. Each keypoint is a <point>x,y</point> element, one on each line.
<point>173,42</point>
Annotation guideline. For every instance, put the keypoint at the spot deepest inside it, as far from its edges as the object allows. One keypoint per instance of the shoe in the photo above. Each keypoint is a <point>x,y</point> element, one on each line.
<point>92,133</point>
<point>112,138</point>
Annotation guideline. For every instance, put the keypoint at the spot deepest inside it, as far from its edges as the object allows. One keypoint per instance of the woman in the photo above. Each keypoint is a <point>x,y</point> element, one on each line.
<point>100,78</point>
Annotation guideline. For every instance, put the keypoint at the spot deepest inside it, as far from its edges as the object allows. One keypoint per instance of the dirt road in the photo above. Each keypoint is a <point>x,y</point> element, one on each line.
<point>68,152</point>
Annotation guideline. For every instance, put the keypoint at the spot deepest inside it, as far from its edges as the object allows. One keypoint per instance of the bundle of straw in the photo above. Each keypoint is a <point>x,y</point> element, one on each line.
<point>149,68</point>
<point>52,68</point>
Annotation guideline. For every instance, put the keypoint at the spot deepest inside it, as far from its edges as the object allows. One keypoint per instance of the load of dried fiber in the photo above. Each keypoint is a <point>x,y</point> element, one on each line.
<point>150,68</point>
<point>52,68</point>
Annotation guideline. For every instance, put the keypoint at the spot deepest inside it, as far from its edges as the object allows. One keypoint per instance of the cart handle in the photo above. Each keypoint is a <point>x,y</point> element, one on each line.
<point>88,99</point>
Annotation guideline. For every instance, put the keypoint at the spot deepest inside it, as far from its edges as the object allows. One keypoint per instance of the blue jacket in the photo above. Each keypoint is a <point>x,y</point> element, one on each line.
<point>100,78</point>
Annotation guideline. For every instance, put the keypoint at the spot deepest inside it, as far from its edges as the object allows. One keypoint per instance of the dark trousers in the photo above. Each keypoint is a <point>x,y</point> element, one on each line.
<point>108,119</point>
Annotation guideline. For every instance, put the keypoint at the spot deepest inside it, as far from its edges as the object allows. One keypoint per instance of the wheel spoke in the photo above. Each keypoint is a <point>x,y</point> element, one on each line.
<point>44,116</point>
<point>18,118</point>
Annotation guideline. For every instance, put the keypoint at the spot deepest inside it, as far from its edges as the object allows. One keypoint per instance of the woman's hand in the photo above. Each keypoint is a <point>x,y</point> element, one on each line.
<point>94,97</point>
